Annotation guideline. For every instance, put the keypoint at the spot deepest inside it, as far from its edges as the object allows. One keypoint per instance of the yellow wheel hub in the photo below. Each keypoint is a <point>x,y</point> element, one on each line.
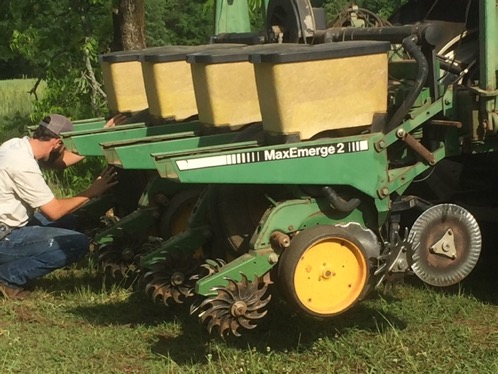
<point>330,276</point>
<point>180,220</point>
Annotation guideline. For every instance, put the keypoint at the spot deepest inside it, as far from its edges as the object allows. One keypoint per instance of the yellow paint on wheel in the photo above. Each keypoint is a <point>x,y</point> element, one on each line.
<point>330,276</point>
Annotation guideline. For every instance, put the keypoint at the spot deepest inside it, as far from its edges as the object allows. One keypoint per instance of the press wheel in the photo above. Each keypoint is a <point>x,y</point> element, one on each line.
<point>175,218</point>
<point>235,211</point>
<point>324,271</point>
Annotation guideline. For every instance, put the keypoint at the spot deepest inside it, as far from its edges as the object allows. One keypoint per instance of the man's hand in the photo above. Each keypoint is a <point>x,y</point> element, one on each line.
<point>118,119</point>
<point>57,208</point>
<point>106,180</point>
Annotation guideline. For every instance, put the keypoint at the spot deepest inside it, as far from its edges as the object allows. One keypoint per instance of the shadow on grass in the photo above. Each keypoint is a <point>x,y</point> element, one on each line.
<point>281,329</point>
<point>72,280</point>
<point>137,309</point>
<point>481,284</point>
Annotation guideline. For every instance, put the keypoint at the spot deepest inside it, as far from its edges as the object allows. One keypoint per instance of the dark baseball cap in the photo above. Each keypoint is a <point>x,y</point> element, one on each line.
<point>57,123</point>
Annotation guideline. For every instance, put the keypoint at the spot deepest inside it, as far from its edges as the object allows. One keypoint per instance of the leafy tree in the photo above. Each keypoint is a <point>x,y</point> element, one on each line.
<point>129,25</point>
<point>60,40</point>
<point>383,8</point>
<point>178,22</point>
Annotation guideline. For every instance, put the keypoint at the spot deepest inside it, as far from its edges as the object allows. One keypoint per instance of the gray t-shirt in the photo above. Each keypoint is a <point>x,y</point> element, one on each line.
<point>22,187</point>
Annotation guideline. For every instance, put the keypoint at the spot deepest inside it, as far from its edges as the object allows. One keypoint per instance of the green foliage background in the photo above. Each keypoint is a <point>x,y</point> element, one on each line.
<point>58,42</point>
<point>55,40</point>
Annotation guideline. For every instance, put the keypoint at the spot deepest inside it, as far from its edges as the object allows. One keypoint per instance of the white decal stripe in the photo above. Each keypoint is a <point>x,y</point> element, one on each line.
<point>240,158</point>
<point>203,162</point>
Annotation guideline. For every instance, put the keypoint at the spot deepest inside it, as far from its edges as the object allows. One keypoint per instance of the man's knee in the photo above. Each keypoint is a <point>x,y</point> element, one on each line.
<point>75,245</point>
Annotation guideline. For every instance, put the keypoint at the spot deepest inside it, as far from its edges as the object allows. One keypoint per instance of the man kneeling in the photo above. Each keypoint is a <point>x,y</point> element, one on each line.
<point>30,247</point>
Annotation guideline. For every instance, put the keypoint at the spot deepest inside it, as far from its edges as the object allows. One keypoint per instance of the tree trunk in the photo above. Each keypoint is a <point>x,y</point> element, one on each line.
<point>129,25</point>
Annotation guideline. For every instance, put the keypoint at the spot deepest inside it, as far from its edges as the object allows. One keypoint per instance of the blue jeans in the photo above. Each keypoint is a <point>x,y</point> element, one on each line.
<point>37,249</point>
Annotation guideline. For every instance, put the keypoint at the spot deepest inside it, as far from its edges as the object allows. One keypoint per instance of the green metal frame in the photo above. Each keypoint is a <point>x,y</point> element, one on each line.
<point>87,143</point>
<point>352,161</point>
<point>364,165</point>
<point>360,162</point>
<point>135,153</point>
<point>231,17</point>
<point>147,214</point>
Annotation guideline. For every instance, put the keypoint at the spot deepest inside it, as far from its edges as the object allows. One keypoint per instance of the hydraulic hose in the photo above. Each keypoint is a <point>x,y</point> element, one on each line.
<point>338,202</point>
<point>410,46</point>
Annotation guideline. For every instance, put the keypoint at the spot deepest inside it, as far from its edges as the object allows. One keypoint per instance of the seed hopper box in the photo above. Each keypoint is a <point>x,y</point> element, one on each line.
<point>225,86</point>
<point>123,81</point>
<point>223,80</point>
<point>306,89</point>
<point>168,81</point>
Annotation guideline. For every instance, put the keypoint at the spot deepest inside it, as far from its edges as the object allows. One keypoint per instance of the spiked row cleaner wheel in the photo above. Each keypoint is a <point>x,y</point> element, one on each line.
<point>173,279</point>
<point>240,304</point>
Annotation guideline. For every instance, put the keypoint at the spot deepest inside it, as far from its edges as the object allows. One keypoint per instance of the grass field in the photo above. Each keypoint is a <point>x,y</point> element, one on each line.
<point>15,97</point>
<point>15,101</point>
<point>79,321</point>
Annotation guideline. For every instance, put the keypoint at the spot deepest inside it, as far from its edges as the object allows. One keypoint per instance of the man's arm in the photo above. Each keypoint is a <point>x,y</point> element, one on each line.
<point>58,208</point>
<point>118,119</point>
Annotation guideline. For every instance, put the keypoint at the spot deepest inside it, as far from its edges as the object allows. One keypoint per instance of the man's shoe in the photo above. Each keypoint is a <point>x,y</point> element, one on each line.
<point>16,293</point>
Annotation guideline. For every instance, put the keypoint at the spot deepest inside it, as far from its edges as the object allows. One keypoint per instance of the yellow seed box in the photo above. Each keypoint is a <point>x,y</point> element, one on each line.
<point>310,89</point>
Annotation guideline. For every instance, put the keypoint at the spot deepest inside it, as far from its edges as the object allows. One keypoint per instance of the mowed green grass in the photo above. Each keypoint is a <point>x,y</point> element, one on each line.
<point>79,321</point>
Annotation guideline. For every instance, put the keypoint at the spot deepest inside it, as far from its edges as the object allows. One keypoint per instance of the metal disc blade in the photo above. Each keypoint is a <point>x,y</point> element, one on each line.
<point>447,266</point>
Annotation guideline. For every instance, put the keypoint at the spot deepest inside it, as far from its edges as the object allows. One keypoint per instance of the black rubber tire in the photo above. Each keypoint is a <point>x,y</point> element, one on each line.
<point>235,209</point>
<point>176,209</point>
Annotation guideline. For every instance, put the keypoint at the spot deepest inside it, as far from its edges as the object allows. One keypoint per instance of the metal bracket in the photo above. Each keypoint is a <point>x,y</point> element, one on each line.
<point>446,245</point>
